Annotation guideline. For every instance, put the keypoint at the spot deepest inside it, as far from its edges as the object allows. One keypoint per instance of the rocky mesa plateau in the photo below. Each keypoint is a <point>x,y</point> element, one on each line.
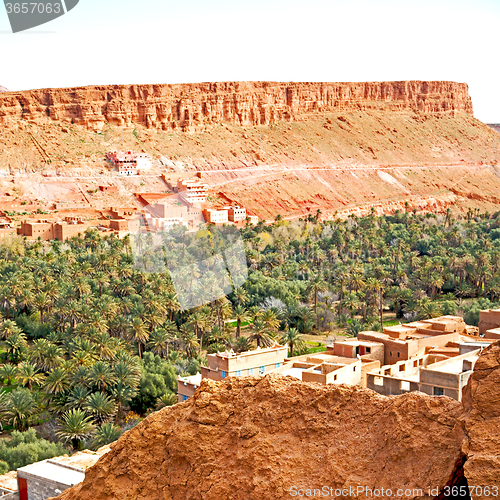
<point>288,148</point>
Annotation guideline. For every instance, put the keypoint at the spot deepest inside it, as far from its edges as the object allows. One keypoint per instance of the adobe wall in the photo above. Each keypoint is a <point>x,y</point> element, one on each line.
<point>488,320</point>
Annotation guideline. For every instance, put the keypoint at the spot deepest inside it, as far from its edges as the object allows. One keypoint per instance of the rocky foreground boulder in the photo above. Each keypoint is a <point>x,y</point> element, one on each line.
<point>276,438</point>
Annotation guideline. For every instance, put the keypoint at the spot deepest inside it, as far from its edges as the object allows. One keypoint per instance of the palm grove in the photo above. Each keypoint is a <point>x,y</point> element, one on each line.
<point>90,342</point>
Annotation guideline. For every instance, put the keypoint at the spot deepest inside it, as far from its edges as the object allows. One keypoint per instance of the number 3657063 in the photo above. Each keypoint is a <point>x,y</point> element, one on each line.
<point>32,8</point>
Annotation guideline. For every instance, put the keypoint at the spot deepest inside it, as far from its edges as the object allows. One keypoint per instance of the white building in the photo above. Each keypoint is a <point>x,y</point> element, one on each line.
<point>192,190</point>
<point>215,216</point>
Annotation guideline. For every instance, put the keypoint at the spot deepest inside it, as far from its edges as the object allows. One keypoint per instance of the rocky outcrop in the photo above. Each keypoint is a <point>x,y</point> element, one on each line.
<point>260,439</point>
<point>481,400</point>
<point>196,107</point>
<point>253,439</point>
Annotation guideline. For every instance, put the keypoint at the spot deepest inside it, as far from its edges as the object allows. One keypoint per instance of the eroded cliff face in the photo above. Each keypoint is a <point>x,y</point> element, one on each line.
<point>197,107</point>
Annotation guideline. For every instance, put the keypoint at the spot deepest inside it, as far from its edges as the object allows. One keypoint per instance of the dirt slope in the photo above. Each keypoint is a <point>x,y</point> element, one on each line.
<point>250,439</point>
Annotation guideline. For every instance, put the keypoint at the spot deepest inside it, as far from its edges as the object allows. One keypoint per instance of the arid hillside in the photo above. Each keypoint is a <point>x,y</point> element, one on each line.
<point>287,148</point>
<point>253,439</point>
<point>3,89</point>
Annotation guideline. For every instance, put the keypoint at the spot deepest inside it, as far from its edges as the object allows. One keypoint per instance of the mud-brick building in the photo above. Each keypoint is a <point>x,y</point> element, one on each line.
<point>230,364</point>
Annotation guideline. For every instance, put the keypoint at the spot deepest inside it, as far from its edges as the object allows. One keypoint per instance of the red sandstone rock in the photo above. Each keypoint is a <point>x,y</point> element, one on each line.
<point>193,107</point>
<point>246,439</point>
<point>481,400</point>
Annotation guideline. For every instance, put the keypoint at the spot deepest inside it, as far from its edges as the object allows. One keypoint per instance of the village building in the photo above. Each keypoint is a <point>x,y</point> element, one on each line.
<point>129,162</point>
<point>48,478</point>
<point>489,323</point>
<point>192,190</point>
<point>236,213</point>
<point>229,364</point>
<point>7,230</point>
<point>253,219</point>
<point>401,342</point>
<point>213,216</point>
<point>426,373</point>
<point>48,231</point>
<point>326,368</point>
<point>108,189</point>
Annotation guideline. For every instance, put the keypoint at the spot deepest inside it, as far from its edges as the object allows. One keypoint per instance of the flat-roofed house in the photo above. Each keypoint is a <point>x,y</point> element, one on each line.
<point>424,373</point>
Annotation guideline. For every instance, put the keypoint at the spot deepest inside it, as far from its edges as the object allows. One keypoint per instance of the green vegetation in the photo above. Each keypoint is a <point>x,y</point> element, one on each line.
<point>25,448</point>
<point>86,337</point>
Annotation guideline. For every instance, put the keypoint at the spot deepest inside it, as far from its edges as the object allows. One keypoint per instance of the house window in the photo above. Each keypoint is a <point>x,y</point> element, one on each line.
<point>390,353</point>
<point>277,365</point>
<point>354,369</point>
<point>250,371</point>
<point>334,378</point>
<point>378,381</point>
<point>404,385</point>
<point>368,350</point>
<point>262,369</point>
<point>238,373</point>
<point>398,354</point>
<point>223,374</point>
<point>184,397</point>
<point>438,391</point>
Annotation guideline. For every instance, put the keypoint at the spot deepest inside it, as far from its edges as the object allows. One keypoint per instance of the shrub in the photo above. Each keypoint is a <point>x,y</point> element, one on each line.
<point>26,448</point>
<point>158,378</point>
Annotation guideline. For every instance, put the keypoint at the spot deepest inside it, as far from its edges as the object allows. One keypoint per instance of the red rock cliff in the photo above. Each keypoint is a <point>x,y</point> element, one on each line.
<point>192,107</point>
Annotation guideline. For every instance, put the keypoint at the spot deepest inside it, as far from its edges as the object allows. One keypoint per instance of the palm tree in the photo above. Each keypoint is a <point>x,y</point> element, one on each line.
<point>354,327</point>
<point>292,338</point>
<point>101,376</point>
<point>41,302</point>
<point>428,309</point>
<point>122,393</point>
<point>270,320</point>
<point>240,314</point>
<point>315,286</point>
<point>105,434</point>
<point>191,343</point>
<point>168,399</point>
<point>8,374</point>
<point>16,346</point>
<point>28,375</point>
<point>241,296</point>
<point>160,339</point>
<point>57,381</point>
<point>241,344</point>
<point>19,408</point>
<point>200,321</point>
<point>171,304</point>
<point>45,354</point>
<point>100,406</point>
<point>138,333</point>
<point>261,334</point>
<point>8,328</point>
<point>75,426</point>
<point>77,398</point>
